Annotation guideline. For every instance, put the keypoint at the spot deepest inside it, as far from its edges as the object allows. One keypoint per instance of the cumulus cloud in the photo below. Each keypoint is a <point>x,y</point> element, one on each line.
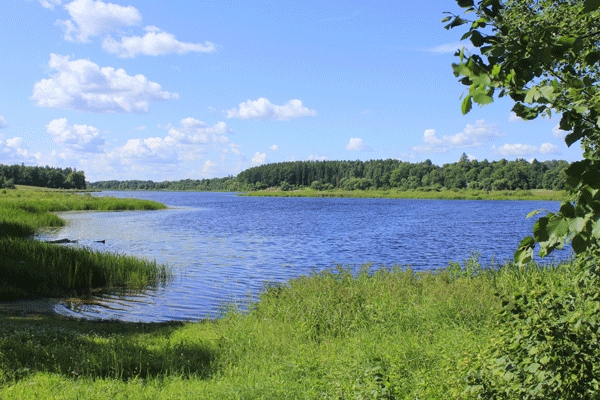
<point>521,150</point>
<point>95,17</point>
<point>312,157</point>
<point>514,118</point>
<point>259,158</point>
<point>274,147</point>
<point>82,85</point>
<point>50,3</point>
<point>3,123</point>
<point>559,133</point>
<point>83,138</point>
<point>13,151</point>
<point>154,43</point>
<point>472,136</point>
<point>264,109</point>
<point>357,144</point>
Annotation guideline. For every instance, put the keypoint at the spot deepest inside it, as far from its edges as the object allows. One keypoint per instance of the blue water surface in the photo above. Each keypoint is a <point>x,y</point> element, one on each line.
<point>224,248</point>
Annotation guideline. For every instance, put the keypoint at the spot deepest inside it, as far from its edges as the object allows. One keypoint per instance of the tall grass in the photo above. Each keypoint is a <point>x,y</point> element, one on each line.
<point>29,268</point>
<point>389,334</point>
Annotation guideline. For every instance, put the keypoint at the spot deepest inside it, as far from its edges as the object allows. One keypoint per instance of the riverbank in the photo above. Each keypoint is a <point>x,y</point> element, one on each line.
<point>33,269</point>
<point>388,334</point>
<point>458,194</point>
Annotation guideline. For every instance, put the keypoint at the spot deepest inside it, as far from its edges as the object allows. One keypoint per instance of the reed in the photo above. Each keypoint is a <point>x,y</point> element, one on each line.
<point>29,268</point>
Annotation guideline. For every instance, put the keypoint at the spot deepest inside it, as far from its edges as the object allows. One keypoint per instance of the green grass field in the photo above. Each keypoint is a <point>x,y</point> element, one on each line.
<point>392,334</point>
<point>463,194</point>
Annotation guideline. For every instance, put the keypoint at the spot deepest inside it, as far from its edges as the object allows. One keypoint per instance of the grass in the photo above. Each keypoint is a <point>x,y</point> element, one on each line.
<point>459,194</point>
<point>392,333</point>
<point>30,268</point>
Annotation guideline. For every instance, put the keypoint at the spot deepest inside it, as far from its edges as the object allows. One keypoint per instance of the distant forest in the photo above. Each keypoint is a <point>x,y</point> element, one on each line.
<point>373,174</point>
<point>56,178</point>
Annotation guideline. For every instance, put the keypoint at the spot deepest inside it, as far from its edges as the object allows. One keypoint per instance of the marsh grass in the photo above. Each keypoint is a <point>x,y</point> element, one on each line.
<point>29,268</point>
<point>390,333</point>
<point>444,194</point>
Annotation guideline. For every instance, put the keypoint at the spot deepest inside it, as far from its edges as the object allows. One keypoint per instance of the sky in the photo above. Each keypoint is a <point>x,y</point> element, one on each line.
<point>169,90</point>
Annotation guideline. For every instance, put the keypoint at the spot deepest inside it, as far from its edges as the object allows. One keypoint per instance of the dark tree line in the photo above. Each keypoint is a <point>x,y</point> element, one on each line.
<point>56,178</point>
<point>382,174</point>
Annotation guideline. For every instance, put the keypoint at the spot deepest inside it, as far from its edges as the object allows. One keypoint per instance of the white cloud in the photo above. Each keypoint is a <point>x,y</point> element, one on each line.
<point>472,136</point>
<point>82,85</point>
<point>521,150</point>
<point>450,47</point>
<point>95,17</point>
<point>357,144</point>
<point>549,148</point>
<point>259,158</point>
<point>3,123</point>
<point>264,109</point>
<point>82,138</point>
<point>274,147</point>
<point>514,118</point>
<point>559,133</point>
<point>50,3</point>
<point>12,151</point>
<point>312,157</point>
<point>209,168</point>
<point>154,43</point>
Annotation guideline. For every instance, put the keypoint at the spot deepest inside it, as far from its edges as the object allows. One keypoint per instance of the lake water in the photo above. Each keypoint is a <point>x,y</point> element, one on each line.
<point>224,248</point>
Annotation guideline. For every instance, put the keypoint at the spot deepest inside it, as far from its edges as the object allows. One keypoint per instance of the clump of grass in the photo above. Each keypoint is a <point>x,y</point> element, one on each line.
<point>29,268</point>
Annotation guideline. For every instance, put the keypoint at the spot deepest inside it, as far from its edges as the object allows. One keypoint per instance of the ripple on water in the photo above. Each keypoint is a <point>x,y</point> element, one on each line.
<point>224,249</point>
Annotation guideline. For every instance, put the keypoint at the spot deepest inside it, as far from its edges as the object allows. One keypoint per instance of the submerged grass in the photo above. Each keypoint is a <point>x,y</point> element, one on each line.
<point>444,194</point>
<point>388,334</point>
<point>29,268</point>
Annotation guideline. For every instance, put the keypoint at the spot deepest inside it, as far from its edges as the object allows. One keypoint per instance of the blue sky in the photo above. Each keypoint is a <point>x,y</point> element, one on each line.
<point>167,90</point>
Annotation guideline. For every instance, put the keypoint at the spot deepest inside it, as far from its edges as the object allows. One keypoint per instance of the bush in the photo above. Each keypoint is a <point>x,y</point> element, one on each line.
<point>549,341</point>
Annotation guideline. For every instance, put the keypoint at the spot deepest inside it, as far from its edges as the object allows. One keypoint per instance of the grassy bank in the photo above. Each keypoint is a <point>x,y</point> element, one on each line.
<point>388,334</point>
<point>462,194</point>
<point>31,269</point>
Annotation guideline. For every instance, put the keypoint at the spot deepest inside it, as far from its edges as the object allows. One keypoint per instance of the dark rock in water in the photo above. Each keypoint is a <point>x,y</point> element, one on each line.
<point>60,241</point>
<point>100,241</point>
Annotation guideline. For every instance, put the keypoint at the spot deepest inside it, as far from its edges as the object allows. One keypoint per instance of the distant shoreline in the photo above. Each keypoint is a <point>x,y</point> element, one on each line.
<point>534,194</point>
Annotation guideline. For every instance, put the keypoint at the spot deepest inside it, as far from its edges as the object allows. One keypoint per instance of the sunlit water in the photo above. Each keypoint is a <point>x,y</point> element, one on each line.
<point>224,249</point>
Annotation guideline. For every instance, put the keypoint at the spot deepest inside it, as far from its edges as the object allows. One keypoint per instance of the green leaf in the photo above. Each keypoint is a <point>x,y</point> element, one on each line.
<point>591,5</point>
<point>596,229</point>
<point>576,225</point>
<point>579,244</point>
<point>534,212</point>
<point>558,227</point>
<point>467,104</point>
<point>465,3</point>
<point>567,210</point>
<point>477,39</point>
<point>540,231</point>
<point>573,137</point>
<point>481,97</point>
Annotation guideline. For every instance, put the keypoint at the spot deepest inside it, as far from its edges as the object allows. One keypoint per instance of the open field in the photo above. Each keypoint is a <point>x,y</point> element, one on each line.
<point>462,194</point>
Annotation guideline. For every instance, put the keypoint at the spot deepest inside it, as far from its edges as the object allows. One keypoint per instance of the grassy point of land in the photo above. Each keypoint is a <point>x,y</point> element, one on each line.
<point>461,194</point>
<point>30,268</point>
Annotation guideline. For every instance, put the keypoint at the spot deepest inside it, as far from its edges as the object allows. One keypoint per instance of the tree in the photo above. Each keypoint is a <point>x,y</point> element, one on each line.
<point>545,56</point>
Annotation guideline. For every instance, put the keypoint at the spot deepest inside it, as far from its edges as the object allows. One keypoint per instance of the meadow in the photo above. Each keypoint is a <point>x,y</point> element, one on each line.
<point>32,269</point>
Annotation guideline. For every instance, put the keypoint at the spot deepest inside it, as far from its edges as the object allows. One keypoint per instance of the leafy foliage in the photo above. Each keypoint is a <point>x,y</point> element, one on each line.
<point>549,340</point>
<point>545,56</point>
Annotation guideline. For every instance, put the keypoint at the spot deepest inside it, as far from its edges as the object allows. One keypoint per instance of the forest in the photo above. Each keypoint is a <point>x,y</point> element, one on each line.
<point>49,177</point>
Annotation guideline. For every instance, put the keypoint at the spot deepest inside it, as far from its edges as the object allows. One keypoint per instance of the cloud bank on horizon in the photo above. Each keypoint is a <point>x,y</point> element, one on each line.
<point>121,89</point>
